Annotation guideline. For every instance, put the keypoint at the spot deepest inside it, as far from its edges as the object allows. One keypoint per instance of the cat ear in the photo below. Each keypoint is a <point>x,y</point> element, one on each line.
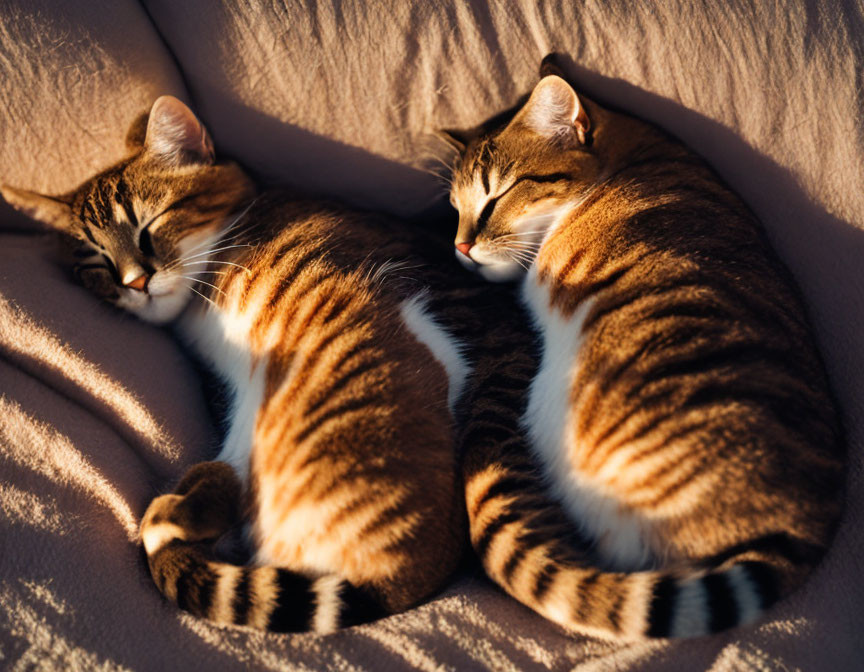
<point>550,65</point>
<point>175,135</point>
<point>458,140</point>
<point>51,210</point>
<point>554,111</point>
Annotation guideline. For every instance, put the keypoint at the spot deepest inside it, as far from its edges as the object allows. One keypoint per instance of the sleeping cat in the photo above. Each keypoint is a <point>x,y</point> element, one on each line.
<point>681,412</point>
<point>341,437</point>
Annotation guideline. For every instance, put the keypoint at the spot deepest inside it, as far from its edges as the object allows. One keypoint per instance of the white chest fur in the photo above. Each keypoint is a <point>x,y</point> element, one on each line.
<point>620,535</point>
<point>444,347</point>
<point>222,342</point>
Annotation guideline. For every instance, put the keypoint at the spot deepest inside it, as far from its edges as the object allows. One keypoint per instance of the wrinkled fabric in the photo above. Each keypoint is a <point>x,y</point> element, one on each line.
<point>98,412</point>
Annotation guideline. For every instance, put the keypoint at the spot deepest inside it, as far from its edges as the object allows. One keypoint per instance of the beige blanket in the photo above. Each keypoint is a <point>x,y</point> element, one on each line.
<point>99,412</point>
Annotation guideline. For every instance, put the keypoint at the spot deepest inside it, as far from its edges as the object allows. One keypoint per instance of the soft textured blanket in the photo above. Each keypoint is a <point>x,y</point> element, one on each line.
<point>99,412</point>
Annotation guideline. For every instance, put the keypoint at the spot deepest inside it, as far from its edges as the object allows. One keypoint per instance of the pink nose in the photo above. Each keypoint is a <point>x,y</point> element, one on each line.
<point>464,248</point>
<point>139,283</point>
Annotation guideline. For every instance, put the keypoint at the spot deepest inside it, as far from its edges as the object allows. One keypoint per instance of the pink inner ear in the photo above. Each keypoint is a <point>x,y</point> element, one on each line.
<point>582,121</point>
<point>552,109</point>
<point>175,134</point>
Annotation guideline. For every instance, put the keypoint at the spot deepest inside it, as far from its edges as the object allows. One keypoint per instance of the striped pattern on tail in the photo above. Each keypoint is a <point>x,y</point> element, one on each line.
<point>529,548</point>
<point>205,505</point>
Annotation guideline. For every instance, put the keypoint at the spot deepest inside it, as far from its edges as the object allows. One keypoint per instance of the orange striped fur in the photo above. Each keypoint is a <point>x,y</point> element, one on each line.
<point>333,332</point>
<point>681,413</point>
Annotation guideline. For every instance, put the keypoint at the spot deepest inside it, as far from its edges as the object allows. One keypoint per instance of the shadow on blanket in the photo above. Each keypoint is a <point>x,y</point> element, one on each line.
<point>83,385</point>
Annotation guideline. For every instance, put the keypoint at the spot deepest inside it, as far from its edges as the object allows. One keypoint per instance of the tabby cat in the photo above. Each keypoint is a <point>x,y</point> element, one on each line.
<point>681,412</point>
<point>319,319</point>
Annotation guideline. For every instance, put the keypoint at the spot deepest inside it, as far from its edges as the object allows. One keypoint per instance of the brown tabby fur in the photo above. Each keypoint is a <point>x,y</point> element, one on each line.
<point>697,402</point>
<point>354,494</point>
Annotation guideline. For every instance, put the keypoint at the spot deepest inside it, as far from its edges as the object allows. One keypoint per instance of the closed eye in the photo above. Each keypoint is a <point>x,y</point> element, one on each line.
<point>82,269</point>
<point>540,179</point>
<point>486,213</point>
<point>145,242</point>
<point>85,252</point>
<point>543,179</point>
<point>112,269</point>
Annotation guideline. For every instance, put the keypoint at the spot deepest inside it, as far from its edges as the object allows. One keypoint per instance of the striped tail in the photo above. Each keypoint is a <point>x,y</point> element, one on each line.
<point>527,546</point>
<point>205,505</point>
<point>531,549</point>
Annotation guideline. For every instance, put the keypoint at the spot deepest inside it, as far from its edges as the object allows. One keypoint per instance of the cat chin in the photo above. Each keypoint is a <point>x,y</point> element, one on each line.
<point>155,309</point>
<point>501,271</point>
<point>491,269</point>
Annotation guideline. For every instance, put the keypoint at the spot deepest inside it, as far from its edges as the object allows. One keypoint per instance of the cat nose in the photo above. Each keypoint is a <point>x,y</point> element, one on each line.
<point>139,282</point>
<point>464,248</point>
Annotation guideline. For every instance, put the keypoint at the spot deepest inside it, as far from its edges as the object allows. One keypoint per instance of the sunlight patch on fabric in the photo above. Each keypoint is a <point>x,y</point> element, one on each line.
<point>21,335</point>
<point>41,448</point>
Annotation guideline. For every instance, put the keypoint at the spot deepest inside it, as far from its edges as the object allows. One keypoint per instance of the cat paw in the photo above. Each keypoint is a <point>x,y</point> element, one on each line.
<point>209,475</point>
<point>205,505</point>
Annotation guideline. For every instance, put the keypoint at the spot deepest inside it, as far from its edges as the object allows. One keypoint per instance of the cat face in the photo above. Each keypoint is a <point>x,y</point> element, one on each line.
<point>144,228</point>
<point>511,185</point>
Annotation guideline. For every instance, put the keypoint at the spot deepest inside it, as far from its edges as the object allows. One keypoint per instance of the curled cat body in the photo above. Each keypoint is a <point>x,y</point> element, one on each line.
<point>341,438</point>
<point>681,414</point>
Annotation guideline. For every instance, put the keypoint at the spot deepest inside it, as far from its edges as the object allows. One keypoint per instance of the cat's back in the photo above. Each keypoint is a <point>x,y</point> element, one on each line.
<point>696,372</point>
<point>344,389</point>
<point>663,244</point>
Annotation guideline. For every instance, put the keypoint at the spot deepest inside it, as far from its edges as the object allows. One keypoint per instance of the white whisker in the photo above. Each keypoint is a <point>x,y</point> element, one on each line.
<point>216,261</point>
<point>435,173</point>
<point>389,266</point>
<point>521,245</point>
<point>204,282</point>
<point>519,261</point>
<point>220,249</point>
<point>518,246</point>
<point>434,157</point>
<point>516,250</point>
<point>203,270</point>
<point>221,237</point>
<point>203,243</point>
<point>238,218</point>
<point>524,259</point>
<point>525,253</point>
<point>210,301</point>
<point>522,234</point>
